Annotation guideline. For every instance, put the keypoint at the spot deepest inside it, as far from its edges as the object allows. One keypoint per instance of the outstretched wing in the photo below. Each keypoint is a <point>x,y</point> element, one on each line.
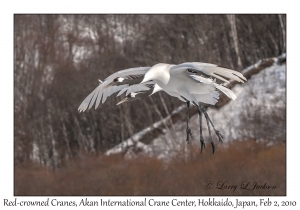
<point>208,70</point>
<point>112,84</point>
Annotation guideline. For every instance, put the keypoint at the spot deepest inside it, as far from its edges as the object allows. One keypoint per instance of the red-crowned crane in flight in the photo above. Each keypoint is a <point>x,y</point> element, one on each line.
<point>192,83</point>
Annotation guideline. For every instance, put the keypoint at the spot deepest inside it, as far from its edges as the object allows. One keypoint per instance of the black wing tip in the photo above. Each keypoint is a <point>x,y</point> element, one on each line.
<point>243,79</point>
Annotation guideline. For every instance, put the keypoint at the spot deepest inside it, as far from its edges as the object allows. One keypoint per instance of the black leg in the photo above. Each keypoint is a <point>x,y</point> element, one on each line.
<point>216,131</point>
<point>200,122</point>
<point>188,130</point>
<point>210,138</point>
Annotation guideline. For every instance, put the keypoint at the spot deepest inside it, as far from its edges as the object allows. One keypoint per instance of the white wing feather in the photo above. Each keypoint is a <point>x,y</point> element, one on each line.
<point>210,70</point>
<point>103,91</point>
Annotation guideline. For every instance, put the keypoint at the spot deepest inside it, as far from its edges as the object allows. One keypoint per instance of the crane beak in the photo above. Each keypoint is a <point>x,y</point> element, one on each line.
<point>122,101</point>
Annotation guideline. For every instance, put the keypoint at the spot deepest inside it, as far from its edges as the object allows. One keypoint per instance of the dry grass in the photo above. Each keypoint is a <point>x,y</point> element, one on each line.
<point>239,162</point>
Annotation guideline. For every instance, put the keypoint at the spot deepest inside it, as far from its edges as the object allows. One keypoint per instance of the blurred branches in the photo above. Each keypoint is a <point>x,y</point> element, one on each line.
<point>58,59</point>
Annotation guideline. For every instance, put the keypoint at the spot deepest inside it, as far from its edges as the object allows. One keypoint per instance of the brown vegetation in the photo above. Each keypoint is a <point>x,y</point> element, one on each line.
<point>234,164</point>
